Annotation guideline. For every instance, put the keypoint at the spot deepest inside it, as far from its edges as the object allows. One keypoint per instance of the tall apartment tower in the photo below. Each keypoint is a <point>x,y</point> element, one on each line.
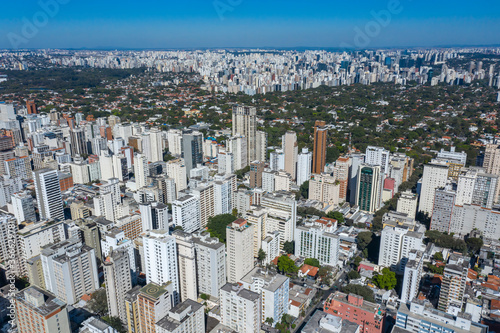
<point>153,303</point>
<point>186,258</point>
<point>192,149</point>
<point>78,142</point>
<point>412,275</point>
<point>154,215</point>
<point>240,308</point>
<point>256,169</point>
<point>31,106</point>
<point>40,311</point>
<point>240,259</point>
<point>141,170</point>
<point>70,270</point>
<point>435,176</point>
<point>261,146</point>
<point>304,164</point>
<point>244,123</point>
<point>48,194</point>
<point>368,188</point>
<point>160,253</point>
<point>290,147</point>
<point>22,203</point>
<point>156,145</point>
<point>118,282</point>
<point>186,213</point>
<point>454,282</point>
<point>319,154</point>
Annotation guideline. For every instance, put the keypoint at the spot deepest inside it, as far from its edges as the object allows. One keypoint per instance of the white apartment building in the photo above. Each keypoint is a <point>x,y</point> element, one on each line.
<point>304,165</point>
<point>316,239</point>
<point>118,281</point>
<point>186,213</point>
<point>22,204</point>
<point>185,317</point>
<point>160,260</point>
<point>240,250</point>
<point>412,275</point>
<point>271,246</point>
<point>48,194</point>
<point>407,204</point>
<point>435,176</point>
<point>69,270</point>
<point>395,246</point>
<point>274,291</point>
<point>240,308</point>
<point>186,259</point>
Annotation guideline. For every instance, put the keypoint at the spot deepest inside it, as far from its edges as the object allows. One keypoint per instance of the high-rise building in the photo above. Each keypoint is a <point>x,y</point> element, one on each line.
<point>24,210</point>
<point>186,259</point>
<point>237,145</point>
<point>240,256</point>
<point>261,146</point>
<point>304,164</point>
<point>160,254</point>
<point>224,189</point>
<point>18,167</point>
<point>274,291</point>
<point>240,308</point>
<point>153,303</point>
<point>378,156</point>
<point>290,147</point>
<point>355,161</point>
<point>113,240</point>
<point>281,210</point>
<point>204,192</point>
<point>48,194</point>
<point>132,309</point>
<point>186,213</point>
<point>407,203</point>
<point>176,169</point>
<point>141,170</point>
<point>39,311</point>
<point>319,154</point>
<point>324,188</point>
<point>192,149</point>
<point>78,142</point>
<point>452,293</point>
<point>396,244</point>
<point>154,216</point>
<point>90,234</point>
<point>156,145</point>
<point>244,123</point>
<point>210,263</point>
<point>70,270</point>
<point>317,240</point>
<point>435,176</point>
<point>31,107</point>
<point>412,276</point>
<point>442,211</point>
<point>277,160</point>
<point>256,169</point>
<point>271,246</point>
<point>368,189</point>
<point>225,162</point>
<point>118,282</point>
<point>186,317</point>
<point>341,174</point>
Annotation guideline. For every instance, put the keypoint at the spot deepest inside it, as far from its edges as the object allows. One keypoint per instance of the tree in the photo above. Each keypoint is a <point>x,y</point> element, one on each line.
<point>261,255</point>
<point>337,216</point>
<point>287,265</point>
<point>364,238</point>
<point>359,290</point>
<point>438,256</point>
<point>304,190</point>
<point>312,262</point>
<point>116,323</point>
<point>204,297</point>
<point>289,247</point>
<point>217,226</point>
<point>474,244</point>
<point>387,280</point>
<point>269,321</point>
<point>353,275</point>
<point>98,302</point>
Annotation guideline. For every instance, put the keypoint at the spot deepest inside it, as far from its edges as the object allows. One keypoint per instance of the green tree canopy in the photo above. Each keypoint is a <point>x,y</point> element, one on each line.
<point>337,216</point>
<point>289,247</point>
<point>312,262</point>
<point>359,290</point>
<point>217,225</point>
<point>387,280</point>
<point>98,302</point>
<point>287,265</point>
<point>364,238</point>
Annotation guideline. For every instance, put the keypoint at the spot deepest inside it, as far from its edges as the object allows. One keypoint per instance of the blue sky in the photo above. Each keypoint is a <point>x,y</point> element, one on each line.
<point>246,23</point>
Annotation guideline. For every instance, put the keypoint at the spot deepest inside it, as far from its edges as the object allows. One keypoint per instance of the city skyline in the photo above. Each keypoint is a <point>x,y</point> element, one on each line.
<point>224,24</point>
